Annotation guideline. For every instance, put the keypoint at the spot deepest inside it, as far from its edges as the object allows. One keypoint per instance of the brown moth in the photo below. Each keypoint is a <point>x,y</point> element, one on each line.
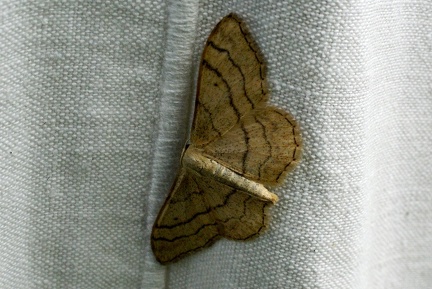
<point>238,144</point>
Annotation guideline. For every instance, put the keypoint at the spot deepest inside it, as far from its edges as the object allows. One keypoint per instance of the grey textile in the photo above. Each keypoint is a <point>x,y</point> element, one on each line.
<point>96,98</point>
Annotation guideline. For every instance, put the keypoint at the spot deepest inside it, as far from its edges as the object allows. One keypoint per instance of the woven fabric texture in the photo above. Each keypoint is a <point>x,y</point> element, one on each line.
<point>96,99</point>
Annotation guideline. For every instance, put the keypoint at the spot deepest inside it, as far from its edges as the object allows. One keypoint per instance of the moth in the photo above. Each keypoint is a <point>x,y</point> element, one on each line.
<point>238,144</point>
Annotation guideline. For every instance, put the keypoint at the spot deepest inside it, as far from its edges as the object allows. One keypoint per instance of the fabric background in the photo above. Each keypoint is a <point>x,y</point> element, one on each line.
<point>96,98</point>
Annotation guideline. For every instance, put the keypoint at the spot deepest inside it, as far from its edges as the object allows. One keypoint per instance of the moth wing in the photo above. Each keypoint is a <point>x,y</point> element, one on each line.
<point>184,224</point>
<point>232,80</point>
<point>199,211</point>
<point>264,146</point>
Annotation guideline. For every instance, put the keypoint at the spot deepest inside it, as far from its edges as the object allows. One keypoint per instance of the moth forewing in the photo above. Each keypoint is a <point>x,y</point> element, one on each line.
<point>232,80</point>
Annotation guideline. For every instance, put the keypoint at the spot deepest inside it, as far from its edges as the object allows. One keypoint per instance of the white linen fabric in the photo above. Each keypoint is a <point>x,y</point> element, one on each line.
<point>96,99</point>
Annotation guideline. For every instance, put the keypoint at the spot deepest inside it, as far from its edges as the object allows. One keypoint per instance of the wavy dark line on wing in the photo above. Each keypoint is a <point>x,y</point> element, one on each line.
<point>246,152</point>
<point>210,116</point>
<point>221,50</point>
<point>196,215</point>
<point>261,165</point>
<point>256,52</point>
<point>186,198</point>
<point>219,75</point>
<point>263,224</point>
<point>185,236</point>
<point>207,244</point>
